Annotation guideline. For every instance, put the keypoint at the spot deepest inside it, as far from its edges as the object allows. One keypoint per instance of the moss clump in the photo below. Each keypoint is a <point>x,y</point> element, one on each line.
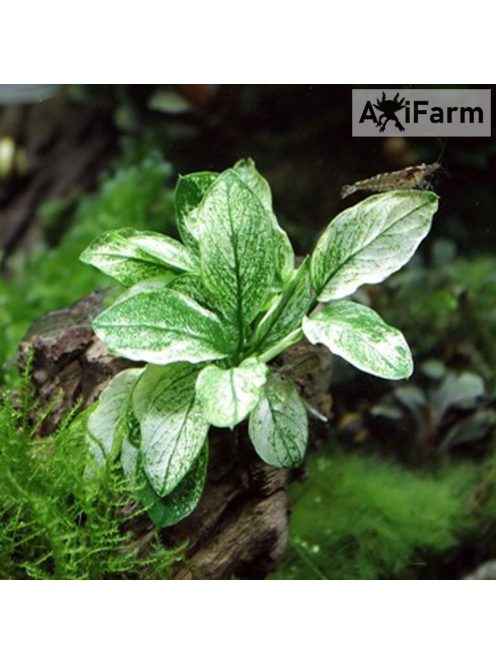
<point>54,523</point>
<point>358,517</point>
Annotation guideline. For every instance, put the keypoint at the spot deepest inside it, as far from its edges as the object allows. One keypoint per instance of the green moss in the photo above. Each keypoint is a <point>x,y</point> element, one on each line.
<point>358,517</point>
<point>54,523</point>
<point>51,277</point>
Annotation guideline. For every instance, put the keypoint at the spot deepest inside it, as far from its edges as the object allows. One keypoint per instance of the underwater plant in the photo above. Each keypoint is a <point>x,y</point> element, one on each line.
<point>388,522</point>
<point>54,523</point>
<point>207,315</point>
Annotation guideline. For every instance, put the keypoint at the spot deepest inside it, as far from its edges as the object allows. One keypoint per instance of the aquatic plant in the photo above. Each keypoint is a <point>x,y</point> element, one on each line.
<point>360,517</point>
<point>210,313</point>
<point>54,522</point>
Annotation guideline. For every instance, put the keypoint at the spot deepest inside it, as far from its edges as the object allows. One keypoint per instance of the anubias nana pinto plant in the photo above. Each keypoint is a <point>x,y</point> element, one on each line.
<point>208,315</point>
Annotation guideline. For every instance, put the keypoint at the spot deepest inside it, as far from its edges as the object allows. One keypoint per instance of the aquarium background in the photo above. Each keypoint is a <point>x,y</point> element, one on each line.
<point>401,483</point>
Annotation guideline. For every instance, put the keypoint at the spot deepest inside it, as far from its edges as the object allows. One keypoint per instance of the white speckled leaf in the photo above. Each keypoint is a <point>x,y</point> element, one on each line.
<point>368,242</point>
<point>285,316</point>
<point>165,249</point>
<point>192,285</point>
<point>153,284</point>
<point>161,326</point>
<point>129,459</point>
<point>236,249</point>
<point>114,254</point>
<point>278,425</point>
<point>102,431</point>
<point>173,427</point>
<point>180,502</point>
<point>142,391</point>
<point>285,259</point>
<point>360,336</point>
<point>247,171</point>
<point>227,396</point>
<point>188,283</point>
<point>190,190</point>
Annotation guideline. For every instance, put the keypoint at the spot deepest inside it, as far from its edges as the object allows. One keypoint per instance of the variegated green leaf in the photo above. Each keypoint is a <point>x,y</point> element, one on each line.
<point>179,504</point>
<point>103,434</point>
<point>161,326</point>
<point>247,171</point>
<point>190,190</point>
<point>192,285</point>
<point>278,425</point>
<point>285,258</point>
<point>368,242</point>
<point>286,314</point>
<point>130,460</point>
<point>153,284</point>
<point>284,254</point>
<point>168,251</point>
<point>360,336</point>
<point>189,284</point>
<point>227,396</point>
<point>236,249</point>
<point>115,254</point>
<point>173,427</point>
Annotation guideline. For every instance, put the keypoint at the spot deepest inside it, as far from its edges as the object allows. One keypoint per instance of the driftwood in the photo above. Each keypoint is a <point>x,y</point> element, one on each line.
<point>240,526</point>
